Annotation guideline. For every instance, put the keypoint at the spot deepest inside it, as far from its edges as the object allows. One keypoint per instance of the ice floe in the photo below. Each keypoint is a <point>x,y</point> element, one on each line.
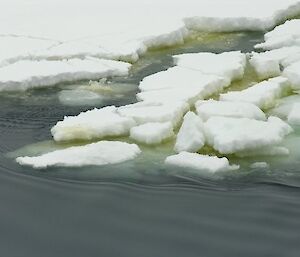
<point>28,74</point>
<point>152,132</point>
<point>265,151</point>
<point>211,108</point>
<point>144,112</point>
<point>96,123</point>
<point>232,63</point>
<point>294,115</point>
<point>100,153</point>
<point>284,106</point>
<point>200,162</point>
<point>262,94</point>
<point>180,84</point>
<point>292,72</point>
<point>287,34</point>
<point>231,135</point>
<point>190,137</point>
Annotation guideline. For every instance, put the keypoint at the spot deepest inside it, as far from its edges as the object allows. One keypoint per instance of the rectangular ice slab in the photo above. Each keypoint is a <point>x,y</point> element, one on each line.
<point>262,94</point>
<point>152,133</point>
<point>200,162</point>
<point>232,135</point>
<point>101,153</point>
<point>211,108</point>
<point>97,123</point>
<point>180,84</point>
<point>230,65</point>
<point>27,74</point>
<point>144,112</point>
<point>190,137</point>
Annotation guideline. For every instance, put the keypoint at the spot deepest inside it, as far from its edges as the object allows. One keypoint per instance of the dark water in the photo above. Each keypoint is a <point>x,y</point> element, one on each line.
<point>139,208</point>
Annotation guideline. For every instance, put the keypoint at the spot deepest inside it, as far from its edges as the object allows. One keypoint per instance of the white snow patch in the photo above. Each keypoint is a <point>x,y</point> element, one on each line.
<point>152,133</point>
<point>200,162</point>
<point>100,153</point>
<point>190,137</point>
<point>262,94</point>
<point>27,74</point>
<point>97,123</point>
<point>210,108</point>
<point>231,135</point>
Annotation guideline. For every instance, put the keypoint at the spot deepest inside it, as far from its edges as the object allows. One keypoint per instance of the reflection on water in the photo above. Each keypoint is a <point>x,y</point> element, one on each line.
<point>141,207</point>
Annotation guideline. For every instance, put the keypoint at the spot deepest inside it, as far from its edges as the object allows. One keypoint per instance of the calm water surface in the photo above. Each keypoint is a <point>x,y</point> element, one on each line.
<point>140,208</point>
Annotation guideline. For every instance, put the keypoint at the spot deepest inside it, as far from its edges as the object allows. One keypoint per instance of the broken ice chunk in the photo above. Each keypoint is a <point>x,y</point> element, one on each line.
<point>190,137</point>
<point>200,162</point>
<point>97,123</point>
<point>100,153</point>
<point>144,112</point>
<point>152,133</point>
<point>232,68</point>
<point>232,135</point>
<point>262,94</point>
<point>294,115</point>
<point>210,108</point>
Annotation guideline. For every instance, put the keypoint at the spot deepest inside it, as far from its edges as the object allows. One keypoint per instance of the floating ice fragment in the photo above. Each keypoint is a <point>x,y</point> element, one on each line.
<point>27,74</point>
<point>232,68</point>
<point>97,123</point>
<point>200,162</point>
<point>292,72</point>
<point>210,108</point>
<point>144,112</point>
<point>294,115</point>
<point>190,137</point>
<point>287,34</point>
<point>265,151</point>
<point>232,135</point>
<point>262,94</point>
<point>152,133</point>
<point>100,153</point>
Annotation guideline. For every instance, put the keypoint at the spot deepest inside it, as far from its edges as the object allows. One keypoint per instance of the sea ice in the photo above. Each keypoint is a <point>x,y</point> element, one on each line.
<point>262,94</point>
<point>284,106</point>
<point>144,112</point>
<point>200,162</point>
<point>292,72</point>
<point>190,137</point>
<point>97,123</point>
<point>232,68</point>
<point>100,153</point>
<point>152,133</point>
<point>180,84</point>
<point>210,108</point>
<point>231,135</point>
<point>23,75</point>
<point>294,115</point>
<point>287,34</point>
